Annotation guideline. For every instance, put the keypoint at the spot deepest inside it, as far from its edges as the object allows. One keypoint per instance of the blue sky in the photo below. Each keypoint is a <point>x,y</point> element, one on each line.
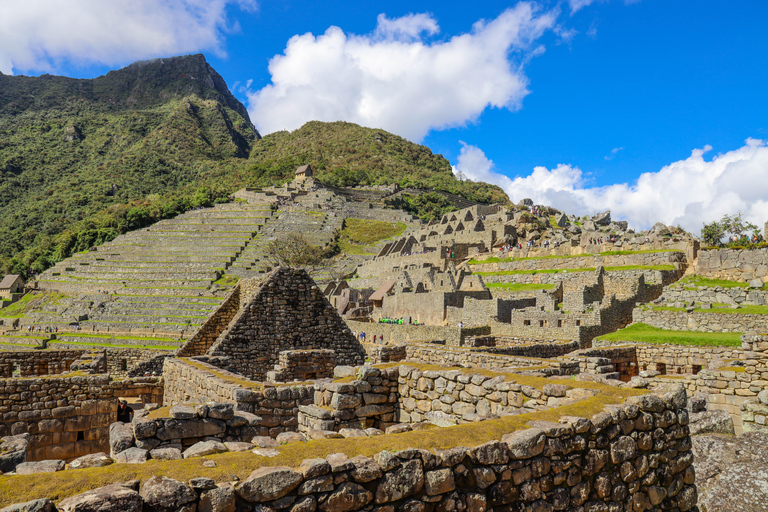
<point>657,110</point>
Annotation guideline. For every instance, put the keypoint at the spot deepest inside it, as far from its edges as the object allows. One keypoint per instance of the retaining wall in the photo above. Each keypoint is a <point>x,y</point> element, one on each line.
<point>701,322</point>
<point>734,265</point>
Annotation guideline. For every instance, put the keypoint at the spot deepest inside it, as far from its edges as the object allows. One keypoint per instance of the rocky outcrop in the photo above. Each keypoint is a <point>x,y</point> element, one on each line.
<point>732,472</point>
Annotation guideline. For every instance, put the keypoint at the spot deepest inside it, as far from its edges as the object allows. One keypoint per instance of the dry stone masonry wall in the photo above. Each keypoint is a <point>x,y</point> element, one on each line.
<point>636,456</point>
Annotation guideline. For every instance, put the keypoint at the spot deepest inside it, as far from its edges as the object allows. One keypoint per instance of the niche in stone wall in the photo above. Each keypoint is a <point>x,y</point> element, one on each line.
<point>696,368</point>
<point>42,368</point>
<point>661,368</point>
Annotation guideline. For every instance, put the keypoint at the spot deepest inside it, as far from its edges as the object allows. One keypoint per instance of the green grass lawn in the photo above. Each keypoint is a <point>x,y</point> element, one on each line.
<point>495,259</point>
<point>723,309</point>
<point>644,333</point>
<point>227,280</point>
<point>29,302</point>
<point>519,287</point>
<point>566,270</point>
<point>359,236</point>
<point>696,280</point>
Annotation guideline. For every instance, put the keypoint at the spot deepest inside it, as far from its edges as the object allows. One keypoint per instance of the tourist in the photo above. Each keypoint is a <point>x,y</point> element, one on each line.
<point>124,413</point>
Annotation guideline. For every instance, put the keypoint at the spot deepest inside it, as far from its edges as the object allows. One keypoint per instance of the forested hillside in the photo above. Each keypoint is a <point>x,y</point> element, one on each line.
<point>83,160</point>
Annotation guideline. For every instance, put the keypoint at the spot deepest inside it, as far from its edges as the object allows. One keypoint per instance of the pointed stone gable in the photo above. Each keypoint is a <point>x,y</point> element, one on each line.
<point>286,311</point>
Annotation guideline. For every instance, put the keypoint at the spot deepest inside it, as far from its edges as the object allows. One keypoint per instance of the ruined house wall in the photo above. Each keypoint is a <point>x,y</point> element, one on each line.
<point>66,417</point>
<point>287,311</point>
<point>196,381</point>
<point>213,326</point>
<point>32,363</point>
<point>732,264</point>
<point>400,334</point>
<point>484,359</point>
<point>700,321</point>
<point>591,261</point>
<point>713,295</point>
<point>634,456</point>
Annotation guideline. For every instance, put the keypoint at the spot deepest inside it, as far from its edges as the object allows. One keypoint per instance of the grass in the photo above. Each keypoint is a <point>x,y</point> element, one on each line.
<point>743,310</point>
<point>57,486</point>
<point>644,333</point>
<point>359,236</point>
<point>113,345</point>
<point>519,287</point>
<point>138,338</point>
<point>29,302</point>
<point>495,259</point>
<point>553,222</point>
<point>227,280</point>
<point>568,270</point>
<point>696,280</point>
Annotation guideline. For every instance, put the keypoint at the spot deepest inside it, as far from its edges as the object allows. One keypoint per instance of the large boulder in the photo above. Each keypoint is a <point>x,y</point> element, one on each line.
<point>270,483</point>
<point>13,451</point>
<point>120,437</point>
<point>710,422</point>
<point>602,219</point>
<point>162,494</point>
<point>41,466</point>
<point>111,497</point>
<point>731,471</point>
<point>42,505</point>
<point>204,448</point>
<point>93,460</point>
<point>132,456</point>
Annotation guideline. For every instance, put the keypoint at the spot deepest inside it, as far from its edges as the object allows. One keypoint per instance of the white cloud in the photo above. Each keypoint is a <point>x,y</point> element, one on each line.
<point>614,151</point>
<point>38,35</point>
<point>687,192</point>
<point>577,5</point>
<point>396,80</point>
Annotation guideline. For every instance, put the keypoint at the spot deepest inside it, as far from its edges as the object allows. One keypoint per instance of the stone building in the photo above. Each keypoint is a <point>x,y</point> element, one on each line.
<point>10,285</point>
<point>283,312</point>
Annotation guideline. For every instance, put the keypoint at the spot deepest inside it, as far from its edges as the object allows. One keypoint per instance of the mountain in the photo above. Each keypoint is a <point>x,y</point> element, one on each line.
<point>345,154</point>
<point>83,160</point>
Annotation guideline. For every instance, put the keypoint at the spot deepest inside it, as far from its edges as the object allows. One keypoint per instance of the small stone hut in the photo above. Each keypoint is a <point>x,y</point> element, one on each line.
<point>10,285</point>
<point>303,172</point>
<point>286,324</point>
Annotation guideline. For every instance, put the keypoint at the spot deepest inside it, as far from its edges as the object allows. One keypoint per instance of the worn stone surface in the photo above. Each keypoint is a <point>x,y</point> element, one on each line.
<point>94,460</point>
<point>162,494</point>
<point>731,471</point>
<point>41,505</point>
<point>108,498</point>
<point>204,448</point>
<point>42,466</point>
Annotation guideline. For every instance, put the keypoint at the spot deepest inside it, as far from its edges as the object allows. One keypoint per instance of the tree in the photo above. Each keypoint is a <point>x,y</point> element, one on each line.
<point>732,226</point>
<point>293,250</point>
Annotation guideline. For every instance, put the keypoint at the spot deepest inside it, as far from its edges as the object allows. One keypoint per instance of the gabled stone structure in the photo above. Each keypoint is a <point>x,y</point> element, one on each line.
<point>285,311</point>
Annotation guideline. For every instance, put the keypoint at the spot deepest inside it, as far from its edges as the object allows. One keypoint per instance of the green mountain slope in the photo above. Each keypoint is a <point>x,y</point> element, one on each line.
<point>82,161</point>
<point>345,154</point>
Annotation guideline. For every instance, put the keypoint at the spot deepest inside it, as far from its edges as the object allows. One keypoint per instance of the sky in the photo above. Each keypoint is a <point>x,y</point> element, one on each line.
<point>656,110</point>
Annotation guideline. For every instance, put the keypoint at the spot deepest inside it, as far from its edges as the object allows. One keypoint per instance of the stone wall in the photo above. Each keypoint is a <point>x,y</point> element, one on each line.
<point>449,397</point>
<point>678,359</point>
<point>32,363</point>
<point>734,265</point>
<point>395,334</point>
<point>367,402</point>
<point>483,359</point>
<point>195,381</point>
<point>206,335</point>
<point>385,353</point>
<point>664,277</point>
<point>713,295</point>
<point>66,416</point>
<point>300,365</point>
<point>700,321</point>
<point>635,456</point>
<point>183,426</point>
<point>590,261</point>
<point>286,311</point>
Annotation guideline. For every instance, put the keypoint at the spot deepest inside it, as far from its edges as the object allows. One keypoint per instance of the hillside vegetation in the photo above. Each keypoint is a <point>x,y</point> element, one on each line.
<point>82,161</point>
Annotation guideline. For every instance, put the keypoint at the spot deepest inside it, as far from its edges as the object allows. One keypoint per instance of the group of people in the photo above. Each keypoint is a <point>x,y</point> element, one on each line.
<point>37,328</point>
<point>377,338</point>
<point>397,321</point>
